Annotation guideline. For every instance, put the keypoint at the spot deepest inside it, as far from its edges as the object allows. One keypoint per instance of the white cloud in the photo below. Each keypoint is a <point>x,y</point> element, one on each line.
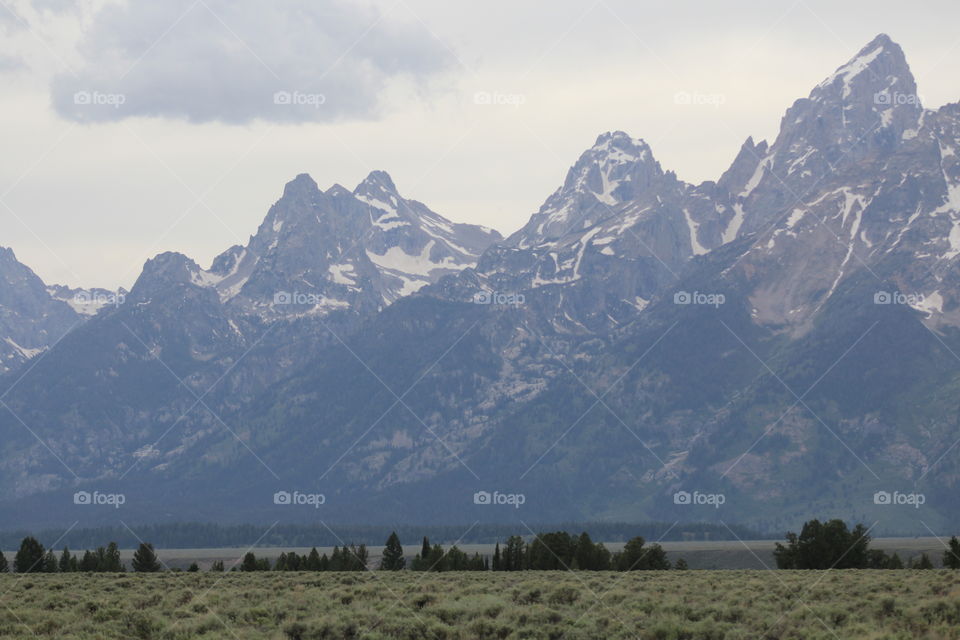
<point>236,61</point>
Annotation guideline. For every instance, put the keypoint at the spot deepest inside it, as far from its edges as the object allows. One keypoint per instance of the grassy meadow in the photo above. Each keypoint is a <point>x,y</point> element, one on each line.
<point>668,605</point>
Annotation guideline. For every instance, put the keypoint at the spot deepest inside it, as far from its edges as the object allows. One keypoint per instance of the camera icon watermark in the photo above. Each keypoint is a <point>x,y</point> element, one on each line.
<point>697,498</point>
<point>896,98</point>
<point>497,498</point>
<point>297,498</point>
<point>896,297</point>
<point>896,498</point>
<point>499,299</point>
<point>98,499</point>
<point>497,98</point>
<point>699,298</point>
<point>296,297</point>
<point>100,299</point>
<point>695,98</point>
<point>299,99</point>
<point>99,99</point>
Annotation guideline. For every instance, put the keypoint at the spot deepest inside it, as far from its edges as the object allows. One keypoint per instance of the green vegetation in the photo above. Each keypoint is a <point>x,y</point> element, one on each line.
<point>144,560</point>
<point>586,605</point>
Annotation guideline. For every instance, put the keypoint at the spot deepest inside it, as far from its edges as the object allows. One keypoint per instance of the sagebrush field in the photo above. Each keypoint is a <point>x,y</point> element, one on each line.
<point>584,605</point>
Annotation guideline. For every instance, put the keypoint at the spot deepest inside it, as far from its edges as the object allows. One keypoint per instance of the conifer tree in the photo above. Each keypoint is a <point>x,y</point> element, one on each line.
<point>4,567</point>
<point>29,558</point>
<point>425,548</point>
<point>951,557</point>
<point>393,559</point>
<point>49,562</point>
<point>89,561</point>
<point>65,561</point>
<point>924,562</point>
<point>249,562</point>
<point>145,559</point>
<point>313,560</point>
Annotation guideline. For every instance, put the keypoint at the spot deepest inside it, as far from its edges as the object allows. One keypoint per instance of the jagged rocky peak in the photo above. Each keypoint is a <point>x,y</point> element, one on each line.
<point>301,186</point>
<point>616,169</point>
<point>376,182</point>
<point>865,106</point>
<point>852,122</point>
<point>166,270</point>
<point>31,318</point>
<point>878,67</point>
<point>379,193</point>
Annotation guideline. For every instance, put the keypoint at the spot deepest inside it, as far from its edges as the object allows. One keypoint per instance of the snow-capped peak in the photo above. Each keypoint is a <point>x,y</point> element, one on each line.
<point>878,69</point>
<point>615,169</point>
<point>376,181</point>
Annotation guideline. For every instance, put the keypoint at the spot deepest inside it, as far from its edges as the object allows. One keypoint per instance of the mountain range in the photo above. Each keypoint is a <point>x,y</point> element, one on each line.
<point>779,344</point>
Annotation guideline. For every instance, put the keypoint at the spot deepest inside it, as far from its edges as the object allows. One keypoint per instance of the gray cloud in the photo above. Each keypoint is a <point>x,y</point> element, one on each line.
<point>235,61</point>
<point>9,64</point>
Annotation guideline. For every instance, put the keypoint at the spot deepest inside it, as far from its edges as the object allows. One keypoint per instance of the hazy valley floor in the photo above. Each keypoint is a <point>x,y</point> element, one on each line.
<point>646,605</point>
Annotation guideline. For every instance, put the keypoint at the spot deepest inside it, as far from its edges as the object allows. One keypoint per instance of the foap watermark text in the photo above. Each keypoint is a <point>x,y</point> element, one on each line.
<point>699,298</point>
<point>299,499</point>
<point>99,499</point>
<point>899,499</point>
<point>299,99</point>
<point>895,297</point>
<point>696,498</point>
<point>498,298</point>
<point>498,98</point>
<point>497,498</point>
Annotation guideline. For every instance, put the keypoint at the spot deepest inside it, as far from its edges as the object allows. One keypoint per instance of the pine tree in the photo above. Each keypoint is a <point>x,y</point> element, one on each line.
<point>637,558</point>
<point>951,557</point>
<point>894,562</point>
<point>393,559</point>
<point>193,568</point>
<point>65,561</point>
<point>249,562</point>
<point>4,567</point>
<point>360,558</point>
<point>110,559</point>
<point>89,561</point>
<point>425,548</point>
<point>313,561</point>
<point>217,566</point>
<point>585,556</point>
<point>29,558</point>
<point>680,565</point>
<point>496,557</point>
<point>924,562</point>
<point>50,562</point>
<point>514,555</point>
<point>145,559</point>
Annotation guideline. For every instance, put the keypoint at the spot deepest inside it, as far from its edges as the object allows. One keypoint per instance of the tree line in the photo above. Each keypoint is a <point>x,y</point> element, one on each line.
<point>833,545</point>
<point>545,552</point>
<point>211,535</point>
<point>819,545</point>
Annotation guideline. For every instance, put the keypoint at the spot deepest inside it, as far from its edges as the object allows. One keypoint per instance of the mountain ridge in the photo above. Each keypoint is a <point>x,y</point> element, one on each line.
<point>639,336</point>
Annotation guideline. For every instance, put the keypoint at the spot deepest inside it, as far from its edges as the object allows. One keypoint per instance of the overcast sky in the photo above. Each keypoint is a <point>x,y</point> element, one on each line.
<point>131,128</point>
